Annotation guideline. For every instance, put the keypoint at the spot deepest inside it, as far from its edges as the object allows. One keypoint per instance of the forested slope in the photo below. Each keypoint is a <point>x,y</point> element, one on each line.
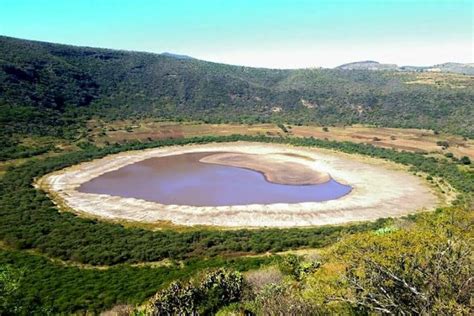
<point>52,87</point>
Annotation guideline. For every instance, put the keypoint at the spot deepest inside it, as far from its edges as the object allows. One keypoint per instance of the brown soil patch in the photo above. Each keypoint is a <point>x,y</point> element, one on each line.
<point>272,166</point>
<point>414,140</point>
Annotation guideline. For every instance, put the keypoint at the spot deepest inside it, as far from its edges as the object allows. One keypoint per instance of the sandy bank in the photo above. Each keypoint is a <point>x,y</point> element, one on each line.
<point>275,167</point>
<point>380,189</point>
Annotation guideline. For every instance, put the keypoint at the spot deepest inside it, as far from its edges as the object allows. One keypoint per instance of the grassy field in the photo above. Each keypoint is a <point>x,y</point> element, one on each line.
<point>440,79</point>
<point>414,140</point>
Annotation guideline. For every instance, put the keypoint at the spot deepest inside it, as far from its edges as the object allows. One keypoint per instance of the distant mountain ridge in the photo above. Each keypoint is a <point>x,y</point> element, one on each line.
<point>177,56</point>
<point>461,68</point>
<point>467,69</point>
<point>367,65</point>
<point>47,87</point>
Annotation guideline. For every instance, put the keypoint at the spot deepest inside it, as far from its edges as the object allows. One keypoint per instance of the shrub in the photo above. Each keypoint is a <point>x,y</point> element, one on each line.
<point>195,297</point>
<point>442,143</point>
<point>426,270</point>
<point>281,299</point>
<point>297,267</point>
<point>465,160</point>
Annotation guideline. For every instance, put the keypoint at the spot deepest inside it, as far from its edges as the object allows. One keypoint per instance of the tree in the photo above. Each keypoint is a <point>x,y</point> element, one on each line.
<point>440,284</point>
<point>465,160</point>
<point>425,270</point>
<point>10,279</point>
<point>442,143</point>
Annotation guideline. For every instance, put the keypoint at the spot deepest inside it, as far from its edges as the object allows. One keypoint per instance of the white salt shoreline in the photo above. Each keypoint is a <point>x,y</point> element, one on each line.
<point>380,189</point>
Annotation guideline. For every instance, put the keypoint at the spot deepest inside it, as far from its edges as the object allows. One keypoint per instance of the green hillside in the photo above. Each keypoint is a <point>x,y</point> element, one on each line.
<point>54,87</point>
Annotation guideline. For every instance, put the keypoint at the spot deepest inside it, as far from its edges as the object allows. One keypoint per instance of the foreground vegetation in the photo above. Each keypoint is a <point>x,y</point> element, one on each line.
<point>39,286</point>
<point>421,267</point>
<point>29,220</point>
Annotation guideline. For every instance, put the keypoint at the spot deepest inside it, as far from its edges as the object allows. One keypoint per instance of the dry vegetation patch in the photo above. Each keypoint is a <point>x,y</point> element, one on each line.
<point>413,140</point>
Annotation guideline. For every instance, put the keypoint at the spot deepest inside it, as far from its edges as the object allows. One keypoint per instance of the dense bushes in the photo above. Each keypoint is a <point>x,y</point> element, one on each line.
<point>10,277</point>
<point>435,281</point>
<point>203,296</point>
<point>424,268</point>
<point>420,267</point>
<point>43,287</point>
<point>16,152</point>
<point>30,220</point>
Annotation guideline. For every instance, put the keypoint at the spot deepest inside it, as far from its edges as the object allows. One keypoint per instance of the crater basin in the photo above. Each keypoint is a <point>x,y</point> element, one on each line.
<point>182,194</point>
<point>197,179</point>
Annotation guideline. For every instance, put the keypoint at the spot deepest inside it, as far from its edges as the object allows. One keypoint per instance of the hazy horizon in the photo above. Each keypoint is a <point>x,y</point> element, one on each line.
<point>270,34</point>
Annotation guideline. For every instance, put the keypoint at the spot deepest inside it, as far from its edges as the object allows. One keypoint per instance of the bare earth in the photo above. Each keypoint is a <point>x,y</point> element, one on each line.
<point>414,140</point>
<point>380,189</point>
<point>275,167</point>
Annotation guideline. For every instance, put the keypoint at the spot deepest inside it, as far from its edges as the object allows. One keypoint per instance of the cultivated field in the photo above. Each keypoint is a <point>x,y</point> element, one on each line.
<point>415,140</point>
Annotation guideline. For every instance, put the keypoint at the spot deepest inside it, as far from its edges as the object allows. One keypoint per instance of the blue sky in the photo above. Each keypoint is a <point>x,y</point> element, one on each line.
<point>277,33</point>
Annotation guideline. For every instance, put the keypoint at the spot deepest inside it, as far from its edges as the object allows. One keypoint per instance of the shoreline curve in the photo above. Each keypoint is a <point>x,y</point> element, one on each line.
<point>274,167</point>
<point>379,189</point>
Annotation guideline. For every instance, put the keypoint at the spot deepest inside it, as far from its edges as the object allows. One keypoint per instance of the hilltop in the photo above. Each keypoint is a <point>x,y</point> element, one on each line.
<point>367,65</point>
<point>55,87</point>
<point>460,68</point>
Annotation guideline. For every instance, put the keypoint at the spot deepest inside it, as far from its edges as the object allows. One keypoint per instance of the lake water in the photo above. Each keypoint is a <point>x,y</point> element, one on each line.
<point>183,180</point>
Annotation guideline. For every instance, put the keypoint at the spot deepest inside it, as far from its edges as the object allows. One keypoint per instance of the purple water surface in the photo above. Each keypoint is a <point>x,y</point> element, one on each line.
<point>183,180</point>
